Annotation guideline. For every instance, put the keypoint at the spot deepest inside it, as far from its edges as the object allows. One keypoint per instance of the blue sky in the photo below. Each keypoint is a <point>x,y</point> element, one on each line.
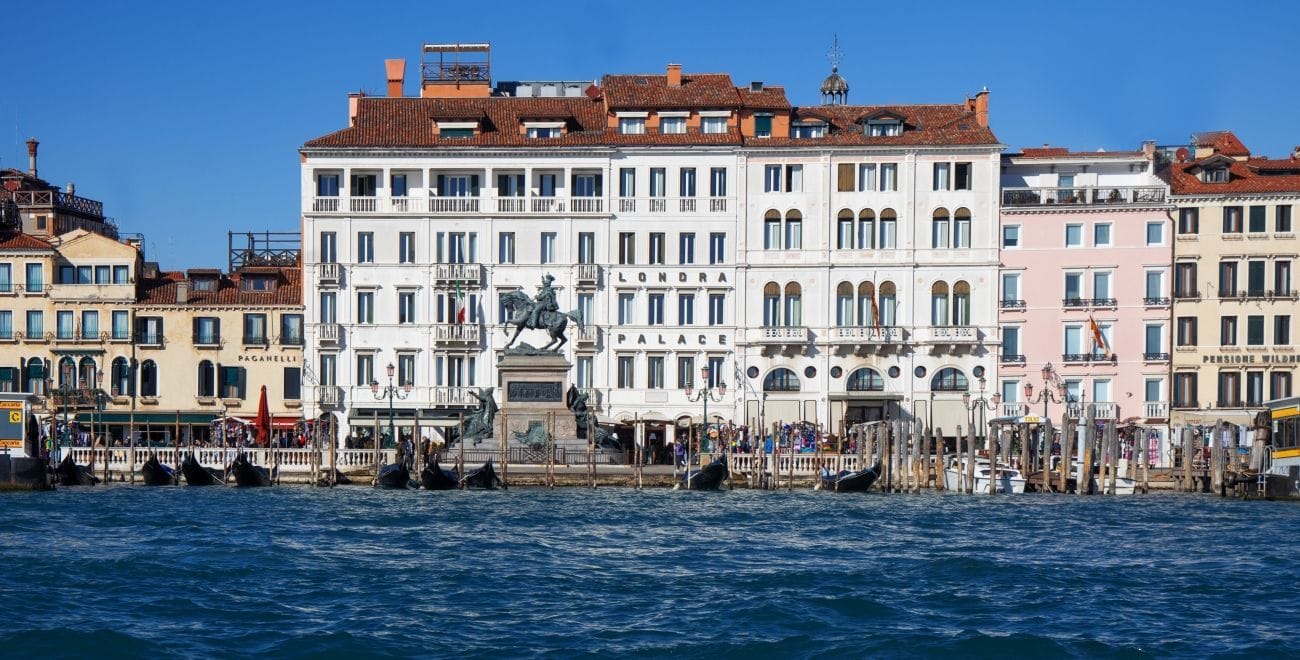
<point>185,118</point>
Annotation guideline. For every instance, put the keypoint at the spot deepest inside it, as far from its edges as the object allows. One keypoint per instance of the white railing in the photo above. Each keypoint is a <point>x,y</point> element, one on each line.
<point>329,333</point>
<point>784,334</point>
<point>867,334</point>
<point>1100,409</point>
<point>453,395</point>
<point>363,204</point>
<point>328,272</point>
<point>511,205</point>
<point>801,464</point>
<point>1011,409</point>
<point>587,204</point>
<point>406,204</point>
<point>587,334</point>
<point>456,332</point>
<point>594,396</point>
<point>289,461</point>
<point>587,273</point>
<point>963,333</point>
<point>1156,409</point>
<point>1083,195</point>
<point>677,205</point>
<point>453,204</point>
<point>331,395</point>
<point>546,205</point>
<point>325,205</point>
<point>457,272</point>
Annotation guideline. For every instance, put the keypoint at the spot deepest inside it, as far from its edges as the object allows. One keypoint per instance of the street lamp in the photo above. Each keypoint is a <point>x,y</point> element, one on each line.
<point>704,394</point>
<point>390,392</point>
<point>981,404</point>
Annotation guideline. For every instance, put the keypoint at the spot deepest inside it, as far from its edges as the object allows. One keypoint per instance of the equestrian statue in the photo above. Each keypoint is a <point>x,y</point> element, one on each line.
<point>540,313</point>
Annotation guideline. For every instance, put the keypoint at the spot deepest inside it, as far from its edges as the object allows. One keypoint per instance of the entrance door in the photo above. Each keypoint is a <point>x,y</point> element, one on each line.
<point>865,413</point>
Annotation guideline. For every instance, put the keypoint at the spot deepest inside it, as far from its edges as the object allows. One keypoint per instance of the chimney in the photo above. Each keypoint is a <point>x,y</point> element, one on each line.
<point>1149,149</point>
<point>396,70</point>
<point>982,108</point>
<point>1295,153</point>
<point>674,75</point>
<point>354,100</point>
<point>182,292</point>
<point>72,188</point>
<point>31,155</point>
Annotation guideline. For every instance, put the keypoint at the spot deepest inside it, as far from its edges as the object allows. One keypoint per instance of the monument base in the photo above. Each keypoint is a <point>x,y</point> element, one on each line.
<point>532,399</point>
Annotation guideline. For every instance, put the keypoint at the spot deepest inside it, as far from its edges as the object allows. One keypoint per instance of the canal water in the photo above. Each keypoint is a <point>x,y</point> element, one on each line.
<point>348,572</point>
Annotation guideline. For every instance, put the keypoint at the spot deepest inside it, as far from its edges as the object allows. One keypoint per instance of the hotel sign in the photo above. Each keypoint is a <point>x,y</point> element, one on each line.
<point>668,340</point>
<point>1252,358</point>
<point>662,277</point>
<point>11,424</point>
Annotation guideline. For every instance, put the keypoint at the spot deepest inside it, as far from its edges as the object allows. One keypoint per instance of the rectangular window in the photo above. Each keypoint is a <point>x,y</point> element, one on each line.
<point>291,330</point>
<point>506,247</point>
<point>121,325</point>
<point>717,248</point>
<point>1010,287</point>
<point>1282,277</point>
<point>1185,281</point>
<point>328,247</point>
<point>1255,278</point>
<point>365,368</point>
<point>718,188</point>
<point>962,177</point>
<point>1151,389</point>
<point>1101,234</point>
<point>1155,285</point>
<point>1155,233</point>
<point>942,179</point>
<point>672,125</point>
<point>686,187</point>
<point>586,367</point>
<point>686,248</point>
<point>867,177</point>
<point>1073,235</point>
<point>771,234</point>
<point>793,234</point>
<point>121,274</point>
<point>6,278</point>
<point>939,233</point>
<point>1255,330</point>
<point>626,371</point>
<point>888,177</point>
<point>1282,330</point>
<point>548,255</point>
<point>1232,219</point>
<point>631,125</point>
<point>365,247</point>
<point>657,249</point>
<point>1227,279</point>
<point>1229,389</point>
<point>1185,390</point>
<point>232,384</point>
<point>405,307</point>
<point>626,311</point>
<point>888,233</point>
<point>763,125</point>
<point>1257,223</point>
<point>35,325</point>
<point>84,275</point>
<point>1010,341</point>
<point>844,177</point>
<point>961,233</point>
<point>685,309</point>
<point>1073,286</point>
<point>844,234</point>
<point>406,247</point>
<point>255,330</point>
<point>365,307</point>
<point>627,183</point>
<point>1227,331</point>
<point>655,309</point>
<point>716,316</point>
<point>716,375</point>
<point>101,274</point>
<point>654,372</point>
<point>6,325</point>
<point>1187,331</point>
<point>626,248</point>
<point>771,178</point>
<point>866,232</point>
<point>1101,288</point>
<point>207,331</point>
<point>1011,236</point>
<point>685,372</point>
<point>1073,340</point>
<point>405,369</point>
<point>328,307</point>
<point>1283,221</point>
<point>586,306</point>
<point>327,185</point>
<point>794,178</point>
<point>35,281</point>
<point>1153,345</point>
<point>1188,221</point>
<point>713,125</point>
<point>1279,385</point>
<point>64,325</point>
<point>586,247</point>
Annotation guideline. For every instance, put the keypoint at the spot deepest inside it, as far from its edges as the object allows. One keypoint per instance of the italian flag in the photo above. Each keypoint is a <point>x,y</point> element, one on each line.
<point>460,304</point>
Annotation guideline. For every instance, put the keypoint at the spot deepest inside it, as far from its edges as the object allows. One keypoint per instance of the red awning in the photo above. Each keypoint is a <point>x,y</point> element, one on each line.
<point>277,421</point>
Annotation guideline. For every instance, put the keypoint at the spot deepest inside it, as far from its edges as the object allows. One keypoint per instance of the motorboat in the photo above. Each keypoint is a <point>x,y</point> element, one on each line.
<point>1006,478</point>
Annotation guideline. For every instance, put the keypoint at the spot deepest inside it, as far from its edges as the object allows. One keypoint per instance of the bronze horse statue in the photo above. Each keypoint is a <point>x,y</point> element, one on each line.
<point>519,306</point>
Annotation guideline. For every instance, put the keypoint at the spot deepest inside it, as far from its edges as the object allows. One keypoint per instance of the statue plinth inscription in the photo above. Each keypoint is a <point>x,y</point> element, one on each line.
<point>534,391</point>
<point>534,387</point>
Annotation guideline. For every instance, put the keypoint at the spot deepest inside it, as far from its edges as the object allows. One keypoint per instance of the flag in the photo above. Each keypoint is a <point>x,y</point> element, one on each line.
<point>875,313</point>
<point>1098,339</point>
<point>460,304</point>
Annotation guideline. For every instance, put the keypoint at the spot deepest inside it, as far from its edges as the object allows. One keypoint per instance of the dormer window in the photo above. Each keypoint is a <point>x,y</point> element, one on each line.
<point>205,284</point>
<point>672,123</point>
<point>457,129</point>
<point>763,125</point>
<point>544,129</point>
<point>1216,175</point>
<point>631,123</point>
<point>808,129</point>
<point>258,283</point>
<point>884,127</point>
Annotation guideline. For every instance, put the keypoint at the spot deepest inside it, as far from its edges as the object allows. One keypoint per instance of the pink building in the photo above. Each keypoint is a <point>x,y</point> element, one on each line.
<point>1086,251</point>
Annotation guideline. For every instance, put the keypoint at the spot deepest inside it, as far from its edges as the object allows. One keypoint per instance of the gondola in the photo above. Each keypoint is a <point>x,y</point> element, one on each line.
<point>69,473</point>
<point>157,474</point>
<point>433,477</point>
<point>394,475</point>
<point>484,477</point>
<point>708,477</point>
<point>848,481</point>
<point>246,474</point>
<point>197,475</point>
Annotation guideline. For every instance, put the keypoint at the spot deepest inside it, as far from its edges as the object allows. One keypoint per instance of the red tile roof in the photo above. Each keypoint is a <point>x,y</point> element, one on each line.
<point>644,92</point>
<point>1223,142</point>
<point>922,125</point>
<point>162,291</point>
<point>1033,153</point>
<point>20,241</point>
<point>1243,177</point>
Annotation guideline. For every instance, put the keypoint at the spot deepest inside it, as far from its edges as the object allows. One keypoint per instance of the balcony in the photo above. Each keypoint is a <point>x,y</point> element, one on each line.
<point>1012,409</point>
<point>1156,410</point>
<point>330,334</point>
<point>955,337</point>
<point>59,200</point>
<point>672,205</point>
<point>586,275</point>
<point>257,340</point>
<point>450,274</point>
<point>1284,294</point>
<point>1069,303</point>
<point>1187,295</point>
<point>149,339</point>
<point>1083,196</point>
<point>780,336</point>
<point>1155,302</point>
<point>1011,304</point>
<point>1155,357</point>
<point>1011,358</point>
<point>456,205</point>
<point>588,336</point>
<point>1100,410</point>
<point>452,395</point>
<point>331,273</point>
<point>469,205</point>
<point>456,333</point>
<point>1075,357</point>
<point>1103,302</point>
<point>330,396</point>
<point>206,340</point>
<point>868,339</point>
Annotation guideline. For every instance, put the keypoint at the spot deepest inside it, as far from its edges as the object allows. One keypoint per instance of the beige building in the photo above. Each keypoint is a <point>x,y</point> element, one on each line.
<point>1234,301</point>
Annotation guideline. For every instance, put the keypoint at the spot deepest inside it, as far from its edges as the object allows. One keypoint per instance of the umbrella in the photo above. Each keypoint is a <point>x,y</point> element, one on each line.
<point>262,423</point>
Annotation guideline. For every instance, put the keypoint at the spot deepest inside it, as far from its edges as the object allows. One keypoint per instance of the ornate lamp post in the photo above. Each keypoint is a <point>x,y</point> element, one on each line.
<point>981,404</point>
<point>390,392</point>
<point>704,394</point>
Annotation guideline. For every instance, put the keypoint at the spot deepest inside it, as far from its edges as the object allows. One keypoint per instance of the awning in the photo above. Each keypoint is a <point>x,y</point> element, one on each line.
<point>277,421</point>
<point>152,418</point>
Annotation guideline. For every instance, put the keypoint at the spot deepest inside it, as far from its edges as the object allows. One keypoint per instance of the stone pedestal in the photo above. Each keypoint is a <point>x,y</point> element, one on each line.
<point>532,388</point>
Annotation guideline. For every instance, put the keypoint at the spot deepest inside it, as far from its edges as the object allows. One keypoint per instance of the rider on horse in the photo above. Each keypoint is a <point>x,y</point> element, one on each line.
<point>545,302</point>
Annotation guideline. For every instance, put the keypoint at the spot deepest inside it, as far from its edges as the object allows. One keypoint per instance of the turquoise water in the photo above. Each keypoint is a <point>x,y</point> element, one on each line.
<point>355,572</point>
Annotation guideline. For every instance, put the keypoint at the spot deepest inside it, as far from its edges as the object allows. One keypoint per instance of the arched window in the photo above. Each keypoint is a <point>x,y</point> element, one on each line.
<point>67,373</point>
<point>888,304</point>
<point>961,303</point>
<point>866,229</point>
<point>771,305</point>
<point>793,230</point>
<point>865,379</point>
<point>939,304</point>
<point>149,378</point>
<point>772,230</point>
<point>939,229</point>
<point>121,378</point>
<point>781,380</point>
<point>888,229</point>
<point>868,315</point>
<point>961,228</point>
<point>844,304</point>
<point>36,371</point>
<point>844,230</point>
<point>793,305</point>
<point>87,371</point>
<point>207,379</point>
<point>949,379</point>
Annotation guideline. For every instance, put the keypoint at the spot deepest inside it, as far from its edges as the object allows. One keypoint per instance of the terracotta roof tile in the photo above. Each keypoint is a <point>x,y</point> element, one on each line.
<point>1243,177</point>
<point>922,125</point>
<point>21,241</point>
<point>698,90</point>
<point>1223,142</point>
<point>162,291</point>
<point>1063,152</point>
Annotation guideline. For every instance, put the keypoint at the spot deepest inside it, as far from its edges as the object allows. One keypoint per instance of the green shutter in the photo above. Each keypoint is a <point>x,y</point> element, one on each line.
<point>762,124</point>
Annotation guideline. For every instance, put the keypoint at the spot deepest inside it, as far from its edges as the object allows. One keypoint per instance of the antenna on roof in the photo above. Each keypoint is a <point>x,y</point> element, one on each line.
<point>834,54</point>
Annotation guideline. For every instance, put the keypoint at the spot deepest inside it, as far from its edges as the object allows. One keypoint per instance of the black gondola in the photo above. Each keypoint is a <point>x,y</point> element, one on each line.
<point>848,481</point>
<point>394,475</point>
<point>708,477</point>
<point>484,477</point>
<point>157,474</point>
<point>246,474</point>
<point>197,475</point>
<point>433,477</point>
<point>71,474</point>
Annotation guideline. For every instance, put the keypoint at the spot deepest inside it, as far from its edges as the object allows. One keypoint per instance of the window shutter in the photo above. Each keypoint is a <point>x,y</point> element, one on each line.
<point>473,184</point>
<point>441,184</point>
<point>573,184</point>
<point>195,323</point>
<point>216,330</point>
<point>846,177</point>
<point>519,185</point>
<point>503,185</point>
<point>599,185</point>
<point>243,382</point>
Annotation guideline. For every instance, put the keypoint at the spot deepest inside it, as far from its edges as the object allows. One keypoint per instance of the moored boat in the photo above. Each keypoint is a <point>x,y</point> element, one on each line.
<point>393,475</point>
<point>1006,478</point>
<point>850,481</point>
<point>248,475</point>
<point>708,477</point>
<point>485,478</point>
<point>434,477</point>
<point>197,475</point>
<point>69,473</point>
<point>155,473</point>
